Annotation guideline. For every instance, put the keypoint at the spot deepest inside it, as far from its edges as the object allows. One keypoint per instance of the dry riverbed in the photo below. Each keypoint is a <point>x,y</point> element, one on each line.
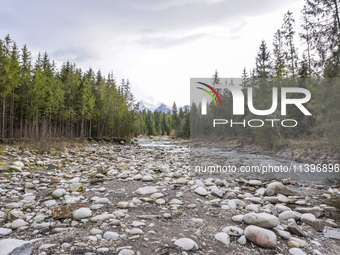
<point>142,199</point>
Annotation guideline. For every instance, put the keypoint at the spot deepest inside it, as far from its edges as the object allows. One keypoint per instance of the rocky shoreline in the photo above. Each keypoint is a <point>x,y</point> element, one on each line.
<point>142,199</point>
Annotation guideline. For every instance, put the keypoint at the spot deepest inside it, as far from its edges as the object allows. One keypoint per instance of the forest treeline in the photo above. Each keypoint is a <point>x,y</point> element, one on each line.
<point>315,66</point>
<point>39,101</point>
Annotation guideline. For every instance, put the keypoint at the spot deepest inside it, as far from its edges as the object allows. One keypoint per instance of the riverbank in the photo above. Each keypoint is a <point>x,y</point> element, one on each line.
<point>141,198</point>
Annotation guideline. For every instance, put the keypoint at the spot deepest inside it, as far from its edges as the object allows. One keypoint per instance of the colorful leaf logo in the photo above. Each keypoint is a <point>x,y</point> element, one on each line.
<point>209,93</point>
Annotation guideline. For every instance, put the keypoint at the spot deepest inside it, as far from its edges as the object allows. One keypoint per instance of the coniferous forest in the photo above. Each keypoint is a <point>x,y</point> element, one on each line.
<point>39,101</point>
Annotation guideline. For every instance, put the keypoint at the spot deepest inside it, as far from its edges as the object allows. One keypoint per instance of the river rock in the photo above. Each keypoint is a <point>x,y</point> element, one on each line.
<point>18,223</point>
<point>123,205</point>
<point>58,193</point>
<point>296,251</point>
<point>331,232</point>
<point>15,247</point>
<point>223,238</point>
<point>109,235</point>
<point>201,191</point>
<point>263,220</point>
<point>261,236</point>
<point>319,225</point>
<point>5,231</point>
<point>186,244</point>
<point>295,229</point>
<point>242,240</point>
<point>146,190</point>
<point>82,213</point>
<point>308,218</point>
<point>289,215</point>
<point>126,252</point>
<point>278,188</point>
<point>255,183</point>
<point>102,217</point>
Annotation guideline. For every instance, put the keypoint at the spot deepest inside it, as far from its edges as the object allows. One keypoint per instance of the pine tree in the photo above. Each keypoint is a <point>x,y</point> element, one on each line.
<point>306,37</point>
<point>263,62</point>
<point>24,84</point>
<point>216,78</point>
<point>288,34</point>
<point>279,56</point>
<point>245,78</point>
<point>175,117</point>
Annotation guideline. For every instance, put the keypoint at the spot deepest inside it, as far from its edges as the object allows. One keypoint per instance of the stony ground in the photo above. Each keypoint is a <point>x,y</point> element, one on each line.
<point>142,199</point>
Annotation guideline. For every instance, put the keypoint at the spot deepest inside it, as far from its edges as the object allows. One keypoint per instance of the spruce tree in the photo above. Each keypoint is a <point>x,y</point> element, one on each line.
<point>263,61</point>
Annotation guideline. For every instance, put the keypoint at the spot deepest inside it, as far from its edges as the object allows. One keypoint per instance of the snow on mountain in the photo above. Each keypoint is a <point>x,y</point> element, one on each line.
<point>143,105</point>
<point>163,108</point>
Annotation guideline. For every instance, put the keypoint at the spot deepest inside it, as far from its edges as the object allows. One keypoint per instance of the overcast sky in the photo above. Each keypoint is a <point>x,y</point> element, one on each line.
<point>157,44</point>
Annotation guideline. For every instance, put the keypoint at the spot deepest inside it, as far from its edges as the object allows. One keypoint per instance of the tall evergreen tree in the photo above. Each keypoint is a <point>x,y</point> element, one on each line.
<point>263,61</point>
<point>290,52</point>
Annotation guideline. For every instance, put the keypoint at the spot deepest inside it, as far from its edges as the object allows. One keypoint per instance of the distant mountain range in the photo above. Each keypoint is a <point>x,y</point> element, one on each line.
<point>143,105</point>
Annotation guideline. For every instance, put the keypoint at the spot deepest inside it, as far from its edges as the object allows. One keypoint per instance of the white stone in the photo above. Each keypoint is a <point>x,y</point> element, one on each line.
<point>82,213</point>
<point>186,244</point>
<point>242,240</point>
<point>58,193</point>
<point>18,163</point>
<point>146,190</point>
<point>223,238</point>
<point>126,252</point>
<point>308,218</point>
<point>289,215</point>
<point>147,178</point>
<point>201,191</point>
<point>109,235</point>
<point>296,251</point>
<point>263,220</point>
<point>5,231</point>
<point>50,203</point>
<point>123,205</point>
<point>255,183</point>
<point>15,247</point>
<point>238,218</point>
<point>18,223</point>
<point>253,208</point>
<point>136,231</point>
